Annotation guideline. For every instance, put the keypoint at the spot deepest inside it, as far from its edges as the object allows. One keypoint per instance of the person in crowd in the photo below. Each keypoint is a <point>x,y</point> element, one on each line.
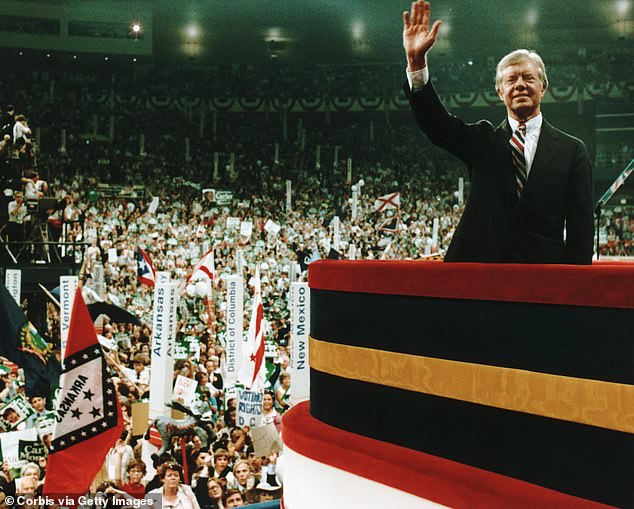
<point>38,403</point>
<point>208,489</point>
<point>135,471</point>
<point>269,414</point>
<point>21,130</point>
<point>139,375</point>
<point>233,498</point>
<point>283,393</point>
<point>7,120</point>
<point>119,457</point>
<point>243,479</point>
<point>17,215</point>
<point>529,180</point>
<point>174,493</point>
<point>29,480</point>
<point>34,188</point>
<point>264,492</point>
<point>222,469</point>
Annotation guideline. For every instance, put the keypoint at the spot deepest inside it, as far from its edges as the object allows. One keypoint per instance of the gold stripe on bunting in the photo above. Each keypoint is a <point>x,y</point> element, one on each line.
<point>598,403</point>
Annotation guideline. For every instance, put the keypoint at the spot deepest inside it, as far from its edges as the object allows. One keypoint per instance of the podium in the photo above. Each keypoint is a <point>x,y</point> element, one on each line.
<point>468,385</point>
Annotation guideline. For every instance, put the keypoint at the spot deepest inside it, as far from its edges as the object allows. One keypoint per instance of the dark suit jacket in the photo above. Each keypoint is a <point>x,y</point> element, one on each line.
<point>496,226</point>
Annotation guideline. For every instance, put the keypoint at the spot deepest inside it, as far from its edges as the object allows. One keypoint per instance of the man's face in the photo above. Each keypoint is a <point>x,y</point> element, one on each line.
<point>522,90</point>
<point>38,403</point>
<point>235,500</point>
<point>242,473</point>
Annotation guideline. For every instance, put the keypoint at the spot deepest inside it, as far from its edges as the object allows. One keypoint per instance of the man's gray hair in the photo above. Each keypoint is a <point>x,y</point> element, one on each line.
<point>27,467</point>
<point>517,57</point>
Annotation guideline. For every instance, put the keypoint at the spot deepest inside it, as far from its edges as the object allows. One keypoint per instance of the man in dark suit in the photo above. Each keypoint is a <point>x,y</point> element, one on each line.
<point>530,182</point>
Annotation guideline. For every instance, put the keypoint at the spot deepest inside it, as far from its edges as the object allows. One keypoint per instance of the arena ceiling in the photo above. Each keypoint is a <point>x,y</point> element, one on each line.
<point>368,31</point>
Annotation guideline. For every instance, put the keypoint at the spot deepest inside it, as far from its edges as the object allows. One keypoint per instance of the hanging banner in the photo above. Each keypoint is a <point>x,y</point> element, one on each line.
<point>235,327</point>
<point>67,288</point>
<point>300,328</point>
<point>163,344</point>
<point>13,282</point>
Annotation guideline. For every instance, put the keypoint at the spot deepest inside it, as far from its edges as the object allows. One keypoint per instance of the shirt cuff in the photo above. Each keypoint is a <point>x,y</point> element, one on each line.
<point>417,79</point>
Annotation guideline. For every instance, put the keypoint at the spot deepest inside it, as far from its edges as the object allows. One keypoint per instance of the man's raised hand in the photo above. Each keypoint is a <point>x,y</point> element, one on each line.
<point>417,37</point>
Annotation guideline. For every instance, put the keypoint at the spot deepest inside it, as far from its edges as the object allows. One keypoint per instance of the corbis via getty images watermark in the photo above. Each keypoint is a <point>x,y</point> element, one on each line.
<point>74,501</point>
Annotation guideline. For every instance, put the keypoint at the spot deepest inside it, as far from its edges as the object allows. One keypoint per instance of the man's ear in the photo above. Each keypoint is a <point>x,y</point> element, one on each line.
<point>500,95</point>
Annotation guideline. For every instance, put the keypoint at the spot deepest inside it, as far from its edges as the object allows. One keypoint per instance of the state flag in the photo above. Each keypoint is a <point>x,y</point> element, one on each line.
<point>205,265</point>
<point>21,343</point>
<point>145,271</point>
<point>253,374</point>
<point>87,411</point>
<point>387,202</point>
<point>390,225</point>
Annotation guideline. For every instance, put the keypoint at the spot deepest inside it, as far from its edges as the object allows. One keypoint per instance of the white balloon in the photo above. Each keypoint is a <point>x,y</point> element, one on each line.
<point>202,289</point>
<point>191,290</point>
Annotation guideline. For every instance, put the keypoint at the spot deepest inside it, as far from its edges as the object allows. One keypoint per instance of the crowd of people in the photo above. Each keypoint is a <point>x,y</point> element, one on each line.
<point>170,216</point>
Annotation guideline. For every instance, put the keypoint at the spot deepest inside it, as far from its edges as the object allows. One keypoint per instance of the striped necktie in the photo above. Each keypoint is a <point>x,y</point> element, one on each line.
<point>517,149</point>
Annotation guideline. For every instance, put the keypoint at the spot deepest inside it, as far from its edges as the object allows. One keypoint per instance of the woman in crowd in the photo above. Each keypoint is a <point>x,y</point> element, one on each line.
<point>283,393</point>
<point>269,414</point>
<point>208,491</point>
<point>175,494</point>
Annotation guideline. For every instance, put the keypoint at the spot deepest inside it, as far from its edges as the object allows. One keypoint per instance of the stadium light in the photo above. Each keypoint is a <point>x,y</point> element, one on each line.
<point>192,31</point>
<point>136,29</point>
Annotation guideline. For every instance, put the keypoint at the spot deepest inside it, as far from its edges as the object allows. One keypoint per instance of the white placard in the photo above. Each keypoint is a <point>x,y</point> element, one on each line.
<point>300,329</point>
<point>235,327</point>
<point>246,227</point>
<point>13,282</point>
<point>271,227</point>
<point>112,255</point>
<point>67,289</point>
<point>249,409</point>
<point>10,444</point>
<point>233,223</point>
<point>434,234</point>
<point>184,390</point>
<point>163,343</point>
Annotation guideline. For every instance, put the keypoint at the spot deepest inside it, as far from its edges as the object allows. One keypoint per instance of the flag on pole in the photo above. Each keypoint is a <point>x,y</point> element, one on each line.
<point>145,271</point>
<point>304,258</point>
<point>205,265</point>
<point>253,366</point>
<point>389,225</point>
<point>88,415</point>
<point>21,343</point>
<point>387,202</point>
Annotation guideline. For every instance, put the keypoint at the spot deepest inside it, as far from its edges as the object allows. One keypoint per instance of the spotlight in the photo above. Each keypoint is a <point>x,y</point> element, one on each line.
<point>135,30</point>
